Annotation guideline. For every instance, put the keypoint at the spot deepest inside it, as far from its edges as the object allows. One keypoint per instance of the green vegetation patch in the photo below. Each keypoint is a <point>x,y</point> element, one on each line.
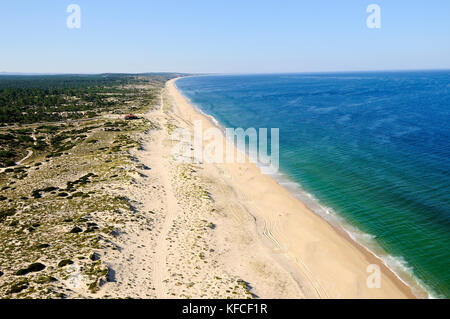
<point>6,213</point>
<point>36,267</point>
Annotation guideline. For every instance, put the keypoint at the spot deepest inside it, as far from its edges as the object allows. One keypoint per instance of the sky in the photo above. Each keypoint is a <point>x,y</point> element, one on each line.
<point>223,36</point>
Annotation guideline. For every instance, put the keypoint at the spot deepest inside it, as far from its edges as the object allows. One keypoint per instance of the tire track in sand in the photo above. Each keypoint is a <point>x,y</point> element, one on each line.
<point>160,272</point>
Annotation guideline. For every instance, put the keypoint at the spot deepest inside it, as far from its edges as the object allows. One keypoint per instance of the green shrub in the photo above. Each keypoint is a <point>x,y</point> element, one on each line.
<point>16,288</point>
<point>7,212</point>
<point>36,267</point>
<point>76,230</point>
<point>65,262</point>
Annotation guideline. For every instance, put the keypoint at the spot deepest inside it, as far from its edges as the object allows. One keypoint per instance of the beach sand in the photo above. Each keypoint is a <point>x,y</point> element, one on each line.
<point>272,240</point>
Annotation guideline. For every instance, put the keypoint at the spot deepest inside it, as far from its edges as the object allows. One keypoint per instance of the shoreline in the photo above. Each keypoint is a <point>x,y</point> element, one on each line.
<point>295,251</point>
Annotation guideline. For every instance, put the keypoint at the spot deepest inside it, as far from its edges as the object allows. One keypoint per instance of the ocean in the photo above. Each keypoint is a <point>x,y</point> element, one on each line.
<point>369,151</point>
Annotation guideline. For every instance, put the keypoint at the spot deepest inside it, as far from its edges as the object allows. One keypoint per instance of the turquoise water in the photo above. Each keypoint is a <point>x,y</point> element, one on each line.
<point>372,148</point>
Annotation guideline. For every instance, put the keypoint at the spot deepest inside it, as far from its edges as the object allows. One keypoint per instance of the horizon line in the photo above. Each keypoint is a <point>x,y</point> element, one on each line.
<point>7,73</point>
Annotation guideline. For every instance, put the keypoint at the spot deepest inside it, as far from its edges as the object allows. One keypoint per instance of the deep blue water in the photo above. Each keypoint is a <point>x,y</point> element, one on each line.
<point>373,147</point>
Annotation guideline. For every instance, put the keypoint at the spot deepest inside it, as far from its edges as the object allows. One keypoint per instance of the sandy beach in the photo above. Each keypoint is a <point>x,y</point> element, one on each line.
<point>271,239</point>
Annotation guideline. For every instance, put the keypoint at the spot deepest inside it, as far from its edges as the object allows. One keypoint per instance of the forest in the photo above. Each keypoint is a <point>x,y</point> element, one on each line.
<point>31,103</point>
<point>52,98</point>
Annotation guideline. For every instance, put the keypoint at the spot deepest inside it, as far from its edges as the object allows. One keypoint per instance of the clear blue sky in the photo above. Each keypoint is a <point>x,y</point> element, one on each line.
<point>223,36</point>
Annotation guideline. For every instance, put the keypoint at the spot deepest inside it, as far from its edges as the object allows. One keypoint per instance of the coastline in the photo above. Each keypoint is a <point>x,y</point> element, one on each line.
<point>322,258</point>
